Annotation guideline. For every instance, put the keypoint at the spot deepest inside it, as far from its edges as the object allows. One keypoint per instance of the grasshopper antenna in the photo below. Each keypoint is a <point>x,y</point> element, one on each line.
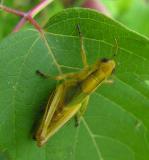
<point>115,48</point>
<point>114,51</point>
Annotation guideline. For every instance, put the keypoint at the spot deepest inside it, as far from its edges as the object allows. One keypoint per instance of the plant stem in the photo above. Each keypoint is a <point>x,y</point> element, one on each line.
<point>39,7</point>
<point>28,16</point>
<point>13,11</point>
<point>32,13</point>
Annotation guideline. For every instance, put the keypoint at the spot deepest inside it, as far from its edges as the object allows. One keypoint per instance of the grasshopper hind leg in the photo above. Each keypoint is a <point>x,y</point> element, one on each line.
<point>81,111</point>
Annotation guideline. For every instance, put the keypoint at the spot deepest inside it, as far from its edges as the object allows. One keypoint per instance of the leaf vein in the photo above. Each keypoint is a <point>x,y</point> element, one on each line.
<point>93,140</point>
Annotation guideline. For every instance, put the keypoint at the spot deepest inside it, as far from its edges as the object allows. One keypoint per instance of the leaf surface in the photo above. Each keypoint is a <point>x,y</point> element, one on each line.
<point>116,124</point>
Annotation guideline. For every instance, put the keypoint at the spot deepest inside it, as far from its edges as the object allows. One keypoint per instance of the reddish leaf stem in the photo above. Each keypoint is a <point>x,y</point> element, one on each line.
<point>28,16</point>
<point>13,11</point>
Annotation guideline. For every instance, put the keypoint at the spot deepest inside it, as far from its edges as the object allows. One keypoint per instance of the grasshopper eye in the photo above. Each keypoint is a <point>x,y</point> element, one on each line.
<point>104,60</point>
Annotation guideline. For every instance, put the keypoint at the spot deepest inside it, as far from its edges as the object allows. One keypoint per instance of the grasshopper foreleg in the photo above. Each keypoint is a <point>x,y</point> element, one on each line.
<point>59,77</point>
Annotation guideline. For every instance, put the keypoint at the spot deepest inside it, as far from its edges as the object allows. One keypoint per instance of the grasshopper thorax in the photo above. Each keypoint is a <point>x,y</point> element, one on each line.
<point>102,70</point>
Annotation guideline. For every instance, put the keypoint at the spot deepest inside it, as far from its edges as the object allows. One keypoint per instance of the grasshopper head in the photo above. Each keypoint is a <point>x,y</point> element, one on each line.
<point>107,66</point>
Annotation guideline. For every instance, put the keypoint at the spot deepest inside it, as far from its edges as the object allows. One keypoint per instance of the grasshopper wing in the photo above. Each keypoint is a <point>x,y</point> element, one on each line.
<point>58,120</point>
<point>53,103</point>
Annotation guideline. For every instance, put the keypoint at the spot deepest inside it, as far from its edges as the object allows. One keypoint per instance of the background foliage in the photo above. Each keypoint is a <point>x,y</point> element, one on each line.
<point>133,13</point>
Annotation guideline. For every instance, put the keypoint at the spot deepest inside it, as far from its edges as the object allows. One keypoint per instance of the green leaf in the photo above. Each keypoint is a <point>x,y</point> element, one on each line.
<point>115,127</point>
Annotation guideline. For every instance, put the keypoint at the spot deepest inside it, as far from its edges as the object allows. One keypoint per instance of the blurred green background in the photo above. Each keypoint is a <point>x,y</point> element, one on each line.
<point>132,13</point>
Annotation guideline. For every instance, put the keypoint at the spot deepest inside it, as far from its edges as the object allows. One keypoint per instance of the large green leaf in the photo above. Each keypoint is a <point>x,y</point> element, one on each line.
<point>116,125</point>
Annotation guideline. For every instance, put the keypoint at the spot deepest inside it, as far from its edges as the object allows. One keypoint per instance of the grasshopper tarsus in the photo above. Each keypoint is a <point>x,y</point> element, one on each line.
<point>77,121</point>
<point>38,72</point>
<point>34,137</point>
<point>77,125</point>
<point>79,30</point>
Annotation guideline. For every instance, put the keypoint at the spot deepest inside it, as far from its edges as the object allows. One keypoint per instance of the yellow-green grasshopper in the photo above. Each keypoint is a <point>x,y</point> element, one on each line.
<point>71,95</point>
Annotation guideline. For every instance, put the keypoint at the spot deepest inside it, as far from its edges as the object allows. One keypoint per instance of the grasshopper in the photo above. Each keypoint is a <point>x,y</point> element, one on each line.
<point>70,97</point>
